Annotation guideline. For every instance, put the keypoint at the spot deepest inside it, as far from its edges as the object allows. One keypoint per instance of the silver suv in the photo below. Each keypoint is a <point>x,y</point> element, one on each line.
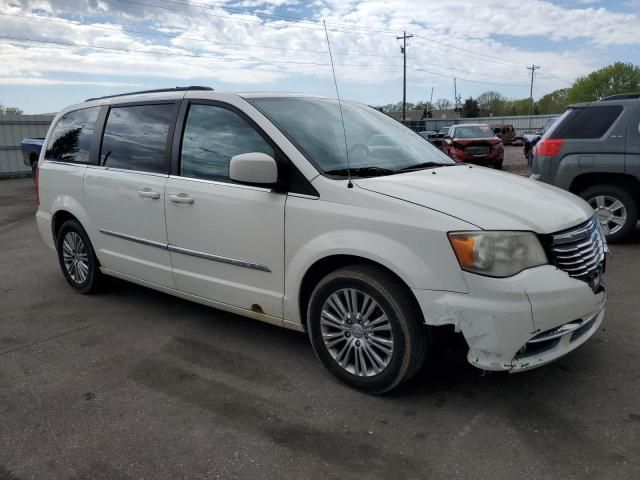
<point>593,150</point>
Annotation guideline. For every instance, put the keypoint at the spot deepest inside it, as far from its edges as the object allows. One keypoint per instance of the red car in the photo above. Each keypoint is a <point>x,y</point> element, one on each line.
<point>474,143</point>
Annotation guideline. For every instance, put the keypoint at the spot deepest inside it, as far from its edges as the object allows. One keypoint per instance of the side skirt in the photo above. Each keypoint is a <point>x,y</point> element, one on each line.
<point>210,303</point>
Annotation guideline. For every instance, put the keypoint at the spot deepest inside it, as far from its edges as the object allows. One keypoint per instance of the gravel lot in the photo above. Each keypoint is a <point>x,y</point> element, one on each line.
<point>133,384</point>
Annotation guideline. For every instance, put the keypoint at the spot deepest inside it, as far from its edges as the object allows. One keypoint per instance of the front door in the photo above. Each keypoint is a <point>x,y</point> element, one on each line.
<point>124,194</point>
<point>226,239</point>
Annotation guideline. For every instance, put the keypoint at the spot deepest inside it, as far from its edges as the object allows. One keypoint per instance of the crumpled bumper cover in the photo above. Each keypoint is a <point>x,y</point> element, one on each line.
<point>499,317</point>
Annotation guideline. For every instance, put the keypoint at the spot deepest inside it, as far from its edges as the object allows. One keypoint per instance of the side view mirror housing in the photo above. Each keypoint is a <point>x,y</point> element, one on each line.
<point>256,168</point>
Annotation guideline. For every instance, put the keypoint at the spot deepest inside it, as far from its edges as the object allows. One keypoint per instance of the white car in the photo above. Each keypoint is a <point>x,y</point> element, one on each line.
<point>249,203</point>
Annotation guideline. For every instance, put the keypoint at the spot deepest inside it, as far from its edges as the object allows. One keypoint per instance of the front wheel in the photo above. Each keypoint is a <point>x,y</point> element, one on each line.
<point>364,329</point>
<point>77,258</point>
<point>615,208</point>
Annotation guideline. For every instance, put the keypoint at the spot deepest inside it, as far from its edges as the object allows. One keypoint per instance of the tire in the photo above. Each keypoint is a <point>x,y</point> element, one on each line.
<point>498,164</point>
<point>603,199</point>
<point>78,248</point>
<point>373,369</point>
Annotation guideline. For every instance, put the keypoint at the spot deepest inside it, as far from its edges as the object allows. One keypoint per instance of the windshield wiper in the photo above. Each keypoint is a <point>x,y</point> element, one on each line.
<point>362,171</point>
<point>420,166</point>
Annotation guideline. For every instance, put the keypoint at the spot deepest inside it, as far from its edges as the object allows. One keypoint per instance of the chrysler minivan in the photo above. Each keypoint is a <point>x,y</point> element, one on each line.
<point>272,207</point>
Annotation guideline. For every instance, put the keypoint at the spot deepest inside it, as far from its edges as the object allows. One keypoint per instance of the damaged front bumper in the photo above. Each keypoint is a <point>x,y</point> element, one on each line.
<point>520,322</point>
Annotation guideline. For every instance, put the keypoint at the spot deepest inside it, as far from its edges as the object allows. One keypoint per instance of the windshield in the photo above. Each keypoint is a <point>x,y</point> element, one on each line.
<point>377,144</point>
<point>473,131</point>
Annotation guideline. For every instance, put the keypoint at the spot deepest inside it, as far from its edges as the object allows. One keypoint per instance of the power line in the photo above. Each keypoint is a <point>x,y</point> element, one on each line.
<point>455,47</point>
<point>169,36</point>
<point>245,20</point>
<point>226,7</point>
<point>468,79</point>
<point>175,54</point>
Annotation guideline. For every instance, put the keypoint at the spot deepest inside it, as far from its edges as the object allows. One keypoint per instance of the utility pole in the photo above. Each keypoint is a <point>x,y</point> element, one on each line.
<point>403,50</point>
<point>431,98</point>
<point>533,69</point>
<point>456,100</point>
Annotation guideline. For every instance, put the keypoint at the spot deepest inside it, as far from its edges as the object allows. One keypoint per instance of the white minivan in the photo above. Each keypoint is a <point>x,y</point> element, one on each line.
<point>268,206</point>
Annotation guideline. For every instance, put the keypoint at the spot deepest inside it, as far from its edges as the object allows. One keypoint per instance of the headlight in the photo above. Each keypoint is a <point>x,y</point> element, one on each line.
<point>497,254</point>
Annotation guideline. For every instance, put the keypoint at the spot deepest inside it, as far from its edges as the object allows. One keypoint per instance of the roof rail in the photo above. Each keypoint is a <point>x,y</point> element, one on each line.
<point>158,90</point>
<point>622,96</point>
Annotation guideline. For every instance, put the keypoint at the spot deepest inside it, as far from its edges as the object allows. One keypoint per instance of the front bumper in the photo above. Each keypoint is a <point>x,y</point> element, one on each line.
<point>488,159</point>
<point>499,317</point>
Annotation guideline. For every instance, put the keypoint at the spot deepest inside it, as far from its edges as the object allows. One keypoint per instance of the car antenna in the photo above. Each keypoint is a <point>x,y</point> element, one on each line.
<point>344,130</point>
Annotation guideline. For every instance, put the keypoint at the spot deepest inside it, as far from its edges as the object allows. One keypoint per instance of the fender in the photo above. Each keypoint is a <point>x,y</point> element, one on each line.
<point>407,264</point>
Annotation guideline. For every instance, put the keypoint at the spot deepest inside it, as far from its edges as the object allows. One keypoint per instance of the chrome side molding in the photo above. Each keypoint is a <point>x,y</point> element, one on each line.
<point>186,251</point>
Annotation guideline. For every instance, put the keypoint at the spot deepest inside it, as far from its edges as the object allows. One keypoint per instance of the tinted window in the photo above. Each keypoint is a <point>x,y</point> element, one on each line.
<point>135,138</point>
<point>473,131</point>
<point>591,122</point>
<point>71,139</point>
<point>212,135</point>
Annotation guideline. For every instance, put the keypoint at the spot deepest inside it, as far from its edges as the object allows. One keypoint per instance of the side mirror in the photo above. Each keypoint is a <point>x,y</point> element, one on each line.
<point>255,167</point>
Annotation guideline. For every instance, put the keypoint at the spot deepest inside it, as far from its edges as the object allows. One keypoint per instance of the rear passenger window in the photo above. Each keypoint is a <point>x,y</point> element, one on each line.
<point>135,138</point>
<point>212,135</point>
<point>591,122</point>
<point>71,138</point>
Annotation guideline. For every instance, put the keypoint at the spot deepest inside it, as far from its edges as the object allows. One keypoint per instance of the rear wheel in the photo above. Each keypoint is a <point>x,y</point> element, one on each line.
<point>615,208</point>
<point>77,258</point>
<point>364,329</point>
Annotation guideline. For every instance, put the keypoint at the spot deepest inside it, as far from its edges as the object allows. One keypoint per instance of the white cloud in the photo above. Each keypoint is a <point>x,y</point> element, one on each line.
<point>463,25</point>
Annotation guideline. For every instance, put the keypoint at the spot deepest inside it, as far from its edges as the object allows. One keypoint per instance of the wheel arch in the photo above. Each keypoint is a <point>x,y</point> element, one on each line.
<point>322,267</point>
<point>629,182</point>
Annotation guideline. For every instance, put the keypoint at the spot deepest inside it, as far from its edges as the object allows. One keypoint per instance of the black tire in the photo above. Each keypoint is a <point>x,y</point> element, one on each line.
<point>410,338</point>
<point>622,195</point>
<point>89,282</point>
<point>498,164</point>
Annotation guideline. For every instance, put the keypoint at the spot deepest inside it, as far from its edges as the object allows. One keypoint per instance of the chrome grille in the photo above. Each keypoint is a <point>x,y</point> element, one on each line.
<point>580,251</point>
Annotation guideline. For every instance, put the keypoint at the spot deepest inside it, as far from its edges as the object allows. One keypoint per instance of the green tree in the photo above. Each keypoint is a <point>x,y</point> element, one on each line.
<point>10,110</point>
<point>611,80</point>
<point>554,102</point>
<point>443,104</point>
<point>470,108</point>
<point>492,102</point>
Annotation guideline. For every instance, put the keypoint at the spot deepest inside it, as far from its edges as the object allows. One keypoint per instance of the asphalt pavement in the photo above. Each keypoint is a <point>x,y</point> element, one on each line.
<point>134,384</point>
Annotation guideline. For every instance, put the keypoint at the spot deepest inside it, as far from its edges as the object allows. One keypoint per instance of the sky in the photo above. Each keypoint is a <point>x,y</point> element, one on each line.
<point>54,53</point>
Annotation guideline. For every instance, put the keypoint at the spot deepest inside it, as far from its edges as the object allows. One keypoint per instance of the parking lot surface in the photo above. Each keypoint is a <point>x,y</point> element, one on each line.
<point>132,384</point>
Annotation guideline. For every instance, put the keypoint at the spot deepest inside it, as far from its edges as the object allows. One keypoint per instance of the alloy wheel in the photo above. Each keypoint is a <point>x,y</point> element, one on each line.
<point>357,332</point>
<point>611,213</point>
<point>75,257</point>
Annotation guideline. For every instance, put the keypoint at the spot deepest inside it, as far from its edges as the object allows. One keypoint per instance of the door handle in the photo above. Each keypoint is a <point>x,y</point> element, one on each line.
<point>181,198</point>
<point>146,193</point>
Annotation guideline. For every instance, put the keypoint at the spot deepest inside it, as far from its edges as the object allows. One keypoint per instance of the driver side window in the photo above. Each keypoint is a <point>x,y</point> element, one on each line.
<point>212,135</point>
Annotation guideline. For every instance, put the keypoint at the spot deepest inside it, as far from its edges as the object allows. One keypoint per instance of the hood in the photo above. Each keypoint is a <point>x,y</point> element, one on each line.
<point>486,198</point>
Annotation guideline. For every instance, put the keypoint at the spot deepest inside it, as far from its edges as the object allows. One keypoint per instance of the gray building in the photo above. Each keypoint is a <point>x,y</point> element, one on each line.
<point>13,128</point>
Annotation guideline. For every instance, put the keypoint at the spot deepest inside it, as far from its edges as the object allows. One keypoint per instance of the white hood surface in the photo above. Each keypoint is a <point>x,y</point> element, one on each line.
<point>489,199</point>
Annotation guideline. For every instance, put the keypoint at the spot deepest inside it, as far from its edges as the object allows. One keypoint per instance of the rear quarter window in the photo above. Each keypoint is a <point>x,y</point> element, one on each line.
<point>135,137</point>
<point>585,123</point>
<point>72,136</point>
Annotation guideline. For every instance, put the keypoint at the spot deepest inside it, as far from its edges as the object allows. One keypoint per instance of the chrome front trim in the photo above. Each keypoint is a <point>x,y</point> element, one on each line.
<point>131,238</point>
<point>218,258</point>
